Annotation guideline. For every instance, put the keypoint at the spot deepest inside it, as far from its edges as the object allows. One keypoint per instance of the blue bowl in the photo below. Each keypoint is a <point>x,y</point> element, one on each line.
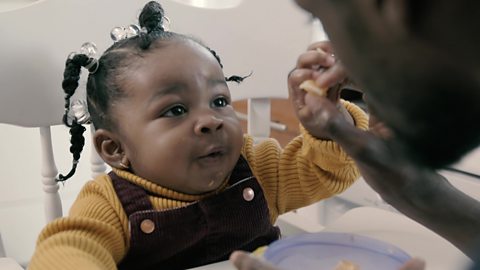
<point>325,250</point>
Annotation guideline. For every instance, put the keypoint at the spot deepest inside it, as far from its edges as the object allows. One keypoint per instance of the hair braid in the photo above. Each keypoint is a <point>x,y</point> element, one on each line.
<point>71,76</point>
<point>77,142</point>
<point>151,18</point>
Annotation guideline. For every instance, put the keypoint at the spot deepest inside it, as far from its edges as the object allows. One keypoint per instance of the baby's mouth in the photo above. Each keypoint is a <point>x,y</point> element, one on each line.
<point>213,155</point>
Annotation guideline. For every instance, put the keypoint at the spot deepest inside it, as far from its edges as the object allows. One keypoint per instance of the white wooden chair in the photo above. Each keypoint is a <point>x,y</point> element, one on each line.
<point>31,96</point>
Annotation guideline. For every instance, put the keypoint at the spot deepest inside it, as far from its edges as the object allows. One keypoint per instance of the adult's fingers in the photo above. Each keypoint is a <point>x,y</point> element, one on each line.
<point>414,264</point>
<point>325,46</point>
<point>245,261</point>
<point>315,59</point>
<point>295,78</point>
<point>331,76</point>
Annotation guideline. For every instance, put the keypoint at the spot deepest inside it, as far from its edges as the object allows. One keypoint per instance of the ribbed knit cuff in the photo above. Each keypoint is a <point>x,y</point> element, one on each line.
<point>327,153</point>
<point>360,118</point>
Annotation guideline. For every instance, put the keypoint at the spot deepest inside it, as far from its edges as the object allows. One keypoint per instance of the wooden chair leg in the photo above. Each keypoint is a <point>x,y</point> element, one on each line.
<point>52,202</point>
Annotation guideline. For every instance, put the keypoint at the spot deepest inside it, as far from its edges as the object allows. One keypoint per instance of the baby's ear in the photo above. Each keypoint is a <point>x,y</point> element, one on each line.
<point>108,147</point>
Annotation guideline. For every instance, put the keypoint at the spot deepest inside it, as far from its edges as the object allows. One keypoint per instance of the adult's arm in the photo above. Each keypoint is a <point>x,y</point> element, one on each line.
<point>417,192</point>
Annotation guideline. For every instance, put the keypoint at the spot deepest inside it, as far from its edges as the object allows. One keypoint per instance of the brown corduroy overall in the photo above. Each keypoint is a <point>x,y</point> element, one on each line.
<point>203,232</point>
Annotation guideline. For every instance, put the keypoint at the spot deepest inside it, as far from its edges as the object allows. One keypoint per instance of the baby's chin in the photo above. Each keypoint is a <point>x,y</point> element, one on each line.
<point>217,181</point>
<point>211,184</point>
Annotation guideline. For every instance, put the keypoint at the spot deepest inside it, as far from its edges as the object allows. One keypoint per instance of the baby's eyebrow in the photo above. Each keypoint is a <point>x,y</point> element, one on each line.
<point>173,89</point>
<point>217,81</point>
<point>179,89</point>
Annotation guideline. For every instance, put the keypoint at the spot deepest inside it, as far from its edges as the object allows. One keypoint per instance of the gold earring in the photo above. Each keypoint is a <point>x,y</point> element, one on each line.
<point>124,166</point>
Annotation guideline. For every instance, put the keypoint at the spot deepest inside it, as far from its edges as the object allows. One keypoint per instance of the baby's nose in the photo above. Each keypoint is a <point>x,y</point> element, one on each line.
<point>208,124</point>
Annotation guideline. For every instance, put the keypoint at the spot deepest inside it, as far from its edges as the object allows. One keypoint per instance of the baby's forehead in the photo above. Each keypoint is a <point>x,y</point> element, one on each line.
<point>174,60</point>
<point>174,43</point>
<point>173,52</point>
<point>178,42</point>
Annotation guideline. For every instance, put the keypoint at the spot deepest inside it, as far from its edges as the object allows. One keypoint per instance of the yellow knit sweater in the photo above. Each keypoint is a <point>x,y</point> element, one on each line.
<point>95,234</point>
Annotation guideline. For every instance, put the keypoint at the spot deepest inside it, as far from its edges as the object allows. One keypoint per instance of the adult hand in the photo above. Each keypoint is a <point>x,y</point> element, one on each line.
<point>318,64</point>
<point>246,261</point>
<point>414,264</point>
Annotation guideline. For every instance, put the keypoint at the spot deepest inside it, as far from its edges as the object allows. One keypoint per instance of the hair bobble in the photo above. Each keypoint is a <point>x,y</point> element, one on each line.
<point>119,33</point>
<point>79,112</point>
<point>92,65</point>
<point>90,50</point>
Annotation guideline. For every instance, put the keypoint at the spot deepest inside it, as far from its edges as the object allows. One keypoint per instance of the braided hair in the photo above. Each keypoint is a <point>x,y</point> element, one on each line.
<point>103,84</point>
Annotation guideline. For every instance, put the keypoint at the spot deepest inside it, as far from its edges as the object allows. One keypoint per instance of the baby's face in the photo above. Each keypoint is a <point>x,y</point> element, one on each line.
<point>176,125</point>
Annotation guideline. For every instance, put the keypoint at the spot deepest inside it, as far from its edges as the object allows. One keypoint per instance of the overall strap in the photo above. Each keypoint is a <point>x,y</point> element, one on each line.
<point>132,197</point>
<point>241,171</point>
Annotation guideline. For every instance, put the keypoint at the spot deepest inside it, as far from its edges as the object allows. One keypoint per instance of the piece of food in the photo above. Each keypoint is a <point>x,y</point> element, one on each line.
<point>346,265</point>
<point>311,87</point>
<point>260,251</point>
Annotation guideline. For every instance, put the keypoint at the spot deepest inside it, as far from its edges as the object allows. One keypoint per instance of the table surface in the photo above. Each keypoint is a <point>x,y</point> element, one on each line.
<point>404,233</point>
<point>396,229</point>
<point>383,225</point>
<point>9,264</point>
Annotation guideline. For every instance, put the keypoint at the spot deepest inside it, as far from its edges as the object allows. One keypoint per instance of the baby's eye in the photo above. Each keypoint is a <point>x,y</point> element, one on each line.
<point>176,110</point>
<point>220,102</point>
